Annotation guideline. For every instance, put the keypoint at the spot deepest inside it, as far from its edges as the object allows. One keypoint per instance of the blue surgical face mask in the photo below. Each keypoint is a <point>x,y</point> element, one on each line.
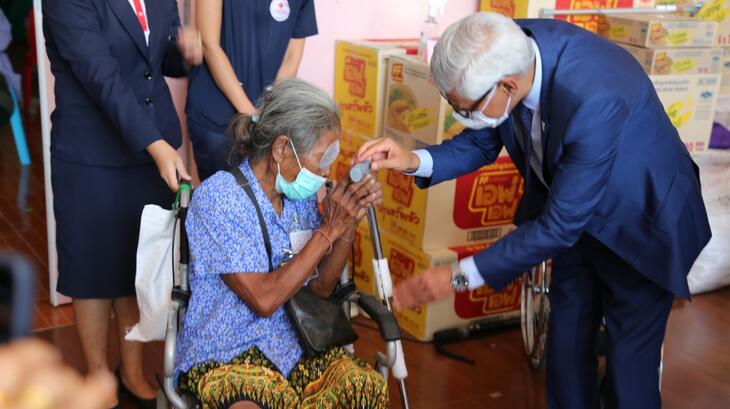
<point>304,186</point>
<point>478,120</point>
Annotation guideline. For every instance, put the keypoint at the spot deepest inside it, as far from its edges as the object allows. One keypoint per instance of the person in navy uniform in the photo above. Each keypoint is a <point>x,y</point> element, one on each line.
<point>612,195</point>
<point>247,46</point>
<point>113,150</point>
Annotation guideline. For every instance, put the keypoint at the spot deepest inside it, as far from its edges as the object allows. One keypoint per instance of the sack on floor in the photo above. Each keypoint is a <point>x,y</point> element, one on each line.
<point>712,268</point>
<point>154,278</point>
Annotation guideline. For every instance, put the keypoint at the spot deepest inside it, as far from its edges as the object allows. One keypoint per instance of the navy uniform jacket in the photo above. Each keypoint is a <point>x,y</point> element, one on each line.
<point>615,166</point>
<point>255,44</point>
<point>111,98</point>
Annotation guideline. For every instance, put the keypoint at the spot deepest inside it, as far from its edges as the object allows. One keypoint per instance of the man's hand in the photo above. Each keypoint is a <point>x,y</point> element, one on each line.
<point>190,45</point>
<point>385,153</point>
<point>34,376</point>
<point>431,285</point>
<point>169,163</point>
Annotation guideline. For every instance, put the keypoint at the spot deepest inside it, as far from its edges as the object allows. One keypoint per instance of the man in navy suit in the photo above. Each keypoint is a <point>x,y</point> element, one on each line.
<point>612,195</point>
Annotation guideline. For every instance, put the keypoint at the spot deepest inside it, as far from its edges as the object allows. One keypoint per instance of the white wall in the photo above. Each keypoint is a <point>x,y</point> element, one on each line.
<point>364,19</point>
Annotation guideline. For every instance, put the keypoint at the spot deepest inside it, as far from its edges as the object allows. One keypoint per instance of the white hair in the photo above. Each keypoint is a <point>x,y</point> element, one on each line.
<point>477,51</point>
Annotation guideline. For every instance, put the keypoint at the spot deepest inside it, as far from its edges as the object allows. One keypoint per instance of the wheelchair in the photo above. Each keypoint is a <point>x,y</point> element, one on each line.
<point>385,363</point>
<point>535,319</point>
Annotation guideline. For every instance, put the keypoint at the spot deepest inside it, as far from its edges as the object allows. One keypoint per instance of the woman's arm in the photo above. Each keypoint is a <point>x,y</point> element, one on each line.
<point>209,15</point>
<point>265,293</point>
<point>292,59</point>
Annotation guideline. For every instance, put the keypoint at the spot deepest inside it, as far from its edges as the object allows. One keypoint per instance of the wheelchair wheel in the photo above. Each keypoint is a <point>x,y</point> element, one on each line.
<point>535,312</point>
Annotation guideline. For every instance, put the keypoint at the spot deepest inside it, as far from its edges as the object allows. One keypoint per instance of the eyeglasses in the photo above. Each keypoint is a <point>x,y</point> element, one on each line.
<point>481,103</point>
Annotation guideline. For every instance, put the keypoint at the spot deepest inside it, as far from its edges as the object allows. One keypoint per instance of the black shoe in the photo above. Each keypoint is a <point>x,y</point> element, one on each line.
<point>125,392</point>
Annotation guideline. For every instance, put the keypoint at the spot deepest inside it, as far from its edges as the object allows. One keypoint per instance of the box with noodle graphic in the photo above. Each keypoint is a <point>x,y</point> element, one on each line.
<point>531,9</point>
<point>474,208</point>
<point>483,304</point>
<point>360,79</point>
<point>659,30</point>
<point>689,101</point>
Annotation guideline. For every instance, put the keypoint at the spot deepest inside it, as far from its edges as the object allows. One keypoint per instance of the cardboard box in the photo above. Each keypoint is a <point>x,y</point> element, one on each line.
<point>456,311</point>
<point>660,30</point>
<point>689,101</point>
<point>717,10</point>
<point>415,112</point>
<point>668,61</point>
<point>359,81</point>
<point>725,72</point>
<point>474,208</point>
<point>531,9</point>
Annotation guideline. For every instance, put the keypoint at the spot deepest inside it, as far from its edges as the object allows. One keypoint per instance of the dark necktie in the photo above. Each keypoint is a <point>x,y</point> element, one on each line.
<point>524,116</point>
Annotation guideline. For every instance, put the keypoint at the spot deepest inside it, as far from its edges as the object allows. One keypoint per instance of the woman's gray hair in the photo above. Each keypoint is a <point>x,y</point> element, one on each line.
<point>294,108</point>
<point>477,51</point>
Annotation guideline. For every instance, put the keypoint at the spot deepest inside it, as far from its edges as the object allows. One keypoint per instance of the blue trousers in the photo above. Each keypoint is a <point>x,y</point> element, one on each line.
<point>590,282</point>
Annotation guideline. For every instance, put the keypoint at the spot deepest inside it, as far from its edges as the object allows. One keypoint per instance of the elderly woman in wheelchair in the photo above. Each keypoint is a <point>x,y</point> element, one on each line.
<point>237,347</point>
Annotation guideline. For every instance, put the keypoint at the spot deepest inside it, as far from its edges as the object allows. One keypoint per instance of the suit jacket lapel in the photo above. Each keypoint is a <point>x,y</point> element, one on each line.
<point>550,49</point>
<point>158,30</point>
<point>126,16</point>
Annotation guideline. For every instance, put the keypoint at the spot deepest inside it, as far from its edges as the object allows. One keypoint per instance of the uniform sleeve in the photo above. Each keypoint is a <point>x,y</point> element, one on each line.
<point>306,24</point>
<point>71,23</point>
<point>224,233</point>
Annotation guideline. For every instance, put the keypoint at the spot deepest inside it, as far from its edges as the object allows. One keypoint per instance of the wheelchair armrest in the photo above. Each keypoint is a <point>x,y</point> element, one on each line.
<point>389,329</point>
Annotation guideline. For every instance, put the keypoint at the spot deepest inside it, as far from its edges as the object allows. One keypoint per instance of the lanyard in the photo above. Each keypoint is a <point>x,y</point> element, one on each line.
<point>139,11</point>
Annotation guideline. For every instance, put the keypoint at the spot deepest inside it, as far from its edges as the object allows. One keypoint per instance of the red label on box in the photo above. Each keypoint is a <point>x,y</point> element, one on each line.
<point>397,72</point>
<point>590,22</point>
<point>488,197</point>
<point>402,187</point>
<point>485,301</point>
<point>354,75</point>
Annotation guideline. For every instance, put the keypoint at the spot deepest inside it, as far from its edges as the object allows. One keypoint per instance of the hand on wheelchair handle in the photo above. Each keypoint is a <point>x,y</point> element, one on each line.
<point>346,203</point>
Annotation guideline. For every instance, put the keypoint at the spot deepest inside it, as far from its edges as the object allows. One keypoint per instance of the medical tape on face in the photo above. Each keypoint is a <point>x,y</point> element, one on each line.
<point>330,155</point>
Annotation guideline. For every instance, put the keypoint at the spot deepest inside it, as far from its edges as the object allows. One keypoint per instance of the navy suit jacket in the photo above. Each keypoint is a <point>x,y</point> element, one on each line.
<point>615,166</point>
<point>111,98</point>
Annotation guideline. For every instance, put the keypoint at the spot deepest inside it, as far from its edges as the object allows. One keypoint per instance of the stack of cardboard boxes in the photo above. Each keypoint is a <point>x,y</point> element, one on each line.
<point>531,9</point>
<point>683,63</point>
<point>381,90</point>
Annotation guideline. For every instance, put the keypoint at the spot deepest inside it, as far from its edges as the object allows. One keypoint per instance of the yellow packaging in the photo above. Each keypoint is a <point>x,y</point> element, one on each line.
<point>668,61</point>
<point>415,112</point>
<point>482,304</point>
<point>474,208</point>
<point>660,30</point>
<point>718,11</point>
<point>531,9</point>
<point>359,81</point>
<point>690,101</point>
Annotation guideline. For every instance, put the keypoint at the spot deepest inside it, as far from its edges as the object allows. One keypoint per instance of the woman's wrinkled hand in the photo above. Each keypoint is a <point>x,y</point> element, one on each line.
<point>346,203</point>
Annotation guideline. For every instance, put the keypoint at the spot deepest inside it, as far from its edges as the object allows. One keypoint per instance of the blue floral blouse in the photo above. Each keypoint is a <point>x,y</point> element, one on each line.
<point>225,237</point>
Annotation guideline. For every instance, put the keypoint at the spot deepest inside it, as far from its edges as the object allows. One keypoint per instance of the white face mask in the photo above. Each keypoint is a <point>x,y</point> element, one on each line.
<point>477,120</point>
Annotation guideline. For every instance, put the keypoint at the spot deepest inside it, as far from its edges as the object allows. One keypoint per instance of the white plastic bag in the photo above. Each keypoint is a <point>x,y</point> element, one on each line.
<point>154,278</point>
<point>711,270</point>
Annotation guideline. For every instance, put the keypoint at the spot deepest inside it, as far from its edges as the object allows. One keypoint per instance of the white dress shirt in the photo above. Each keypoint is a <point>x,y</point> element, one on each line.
<point>144,10</point>
<point>532,101</point>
